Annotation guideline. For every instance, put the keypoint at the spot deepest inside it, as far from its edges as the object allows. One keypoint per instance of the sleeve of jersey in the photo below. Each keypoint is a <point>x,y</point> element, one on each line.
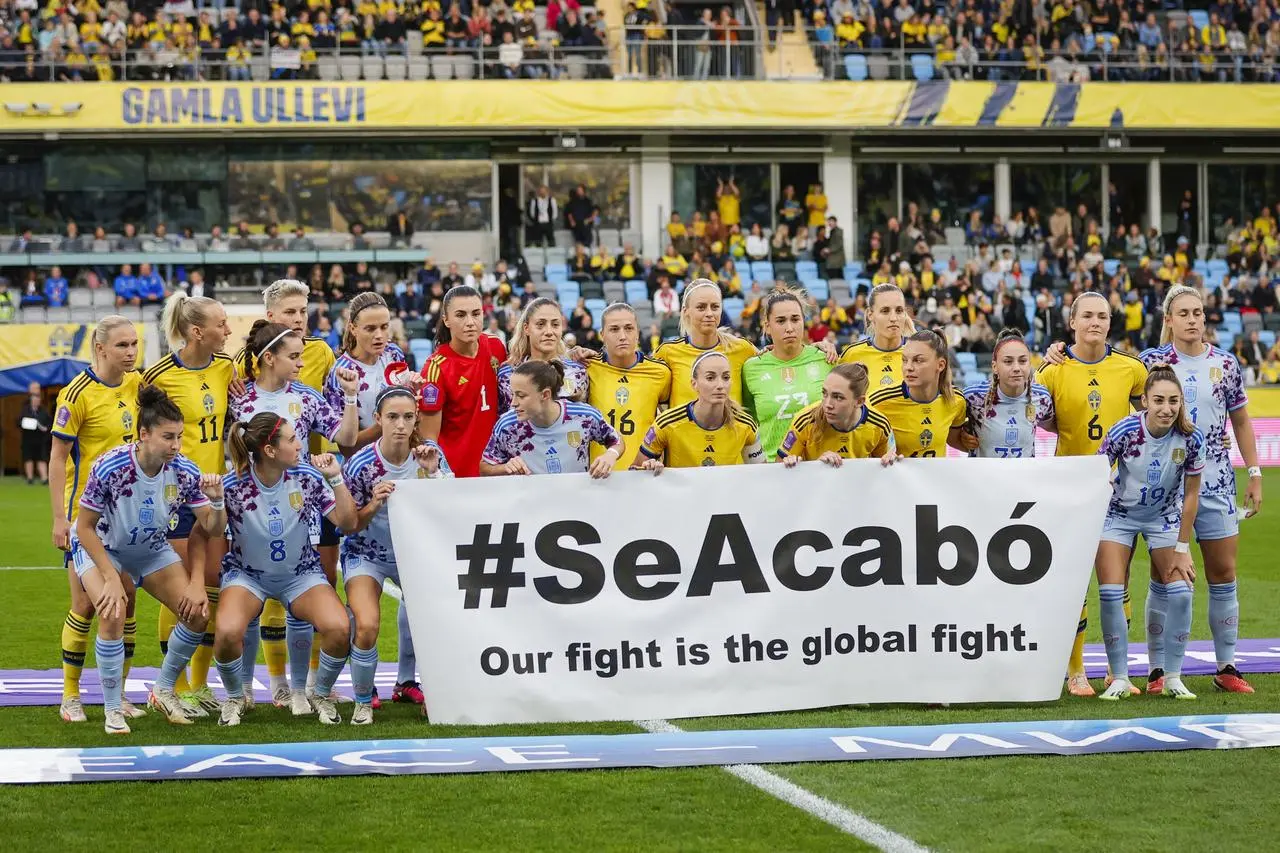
<point>1233,382</point>
<point>793,442</point>
<point>602,433</point>
<point>498,450</point>
<point>333,391</point>
<point>431,399</point>
<point>68,418</point>
<point>1139,379</point>
<point>655,442</point>
<point>94,496</point>
<point>1195,454</point>
<point>752,452</point>
<point>323,418</point>
<point>189,487</point>
<point>1113,446</point>
<point>323,494</point>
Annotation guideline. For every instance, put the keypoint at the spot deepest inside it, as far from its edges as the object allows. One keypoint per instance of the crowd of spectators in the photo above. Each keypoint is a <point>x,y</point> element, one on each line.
<point>78,40</point>
<point>1059,40</point>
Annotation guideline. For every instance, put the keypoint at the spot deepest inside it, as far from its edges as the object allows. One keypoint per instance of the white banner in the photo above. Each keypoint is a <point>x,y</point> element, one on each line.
<point>746,589</point>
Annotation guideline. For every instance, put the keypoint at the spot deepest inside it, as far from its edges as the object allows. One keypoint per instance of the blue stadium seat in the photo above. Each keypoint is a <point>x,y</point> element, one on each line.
<point>636,290</point>
<point>761,271</point>
<point>967,362</point>
<point>596,307</point>
<point>1200,18</point>
<point>1110,265</point>
<point>1217,269</point>
<point>556,273</point>
<point>856,284</point>
<point>567,294</point>
<point>399,288</point>
<point>1226,340</point>
<point>817,288</point>
<point>922,66</point>
<point>1267,338</point>
<point>421,349</point>
<point>1028,267</point>
<point>853,270</point>
<point>1232,322</point>
<point>855,66</point>
<point>733,306</point>
<point>806,270</point>
<point>1200,267</point>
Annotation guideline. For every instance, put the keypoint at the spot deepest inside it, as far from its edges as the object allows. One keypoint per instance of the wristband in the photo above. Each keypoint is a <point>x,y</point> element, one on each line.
<point>1255,471</point>
<point>1182,548</point>
<point>335,482</point>
<point>218,506</point>
<point>353,400</point>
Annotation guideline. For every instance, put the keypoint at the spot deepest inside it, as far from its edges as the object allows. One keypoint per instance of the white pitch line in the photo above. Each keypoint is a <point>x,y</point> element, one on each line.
<point>31,568</point>
<point>834,814</point>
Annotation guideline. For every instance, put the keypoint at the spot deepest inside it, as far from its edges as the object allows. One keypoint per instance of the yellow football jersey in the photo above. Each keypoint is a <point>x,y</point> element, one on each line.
<point>811,436</point>
<point>884,367</point>
<point>1091,397</point>
<point>94,417</point>
<point>920,429</point>
<point>201,394</point>
<point>628,397</point>
<point>683,443</point>
<point>679,355</point>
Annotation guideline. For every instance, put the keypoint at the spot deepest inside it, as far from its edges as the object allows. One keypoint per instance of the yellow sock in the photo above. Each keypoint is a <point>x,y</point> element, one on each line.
<point>203,658</point>
<point>168,620</point>
<point>315,653</point>
<point>1075,666</point>
<point>130,641</point>
<point>273,644</point>
<point>75,642</point>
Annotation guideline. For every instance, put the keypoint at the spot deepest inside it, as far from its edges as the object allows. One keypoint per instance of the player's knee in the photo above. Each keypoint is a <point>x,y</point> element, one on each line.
<point>197,624</point>
<point>366,634</point>
<point>1220,571</point>
<point>111,628</point>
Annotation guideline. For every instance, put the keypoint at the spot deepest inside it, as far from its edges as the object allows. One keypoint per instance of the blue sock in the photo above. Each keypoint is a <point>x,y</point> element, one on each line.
<point>407,662</point>
<point>231,681</point>
<point>1177,626</point>
<point>330,669</point>
<point>1157,611</point>
<point>298,636</point>
<point>364,665</point>
<point>249,657</point>
<point>1224,621</point>
<point>1115,633</point>
<point>183,643</point>
<point>110,654</point>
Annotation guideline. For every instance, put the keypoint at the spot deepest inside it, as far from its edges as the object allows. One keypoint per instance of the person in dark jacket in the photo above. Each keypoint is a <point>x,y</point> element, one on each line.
<point>35,423</point>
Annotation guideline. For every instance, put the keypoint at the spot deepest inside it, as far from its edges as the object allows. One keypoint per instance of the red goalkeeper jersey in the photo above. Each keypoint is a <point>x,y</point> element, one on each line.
<point>465,392</point>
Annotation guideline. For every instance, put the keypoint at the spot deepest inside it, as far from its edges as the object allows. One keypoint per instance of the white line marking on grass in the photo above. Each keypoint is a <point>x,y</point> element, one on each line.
<point>31,568</point>
<point>838,816</point>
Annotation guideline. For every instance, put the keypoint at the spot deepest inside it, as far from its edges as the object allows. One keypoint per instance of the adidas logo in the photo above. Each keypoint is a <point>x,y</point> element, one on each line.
<point>462,380</point>
<point>623,381</point>
<point>204,386</point>
<point>1013,421</point>
<point>1093,383</point>
<point>274,511</point>
<point>926,421</point>
<point>888,368</point>
<point>844,448</point>
<point>710,448</point>
<point>121,405</point>
<point>551,451</point>
<point>148,502</point>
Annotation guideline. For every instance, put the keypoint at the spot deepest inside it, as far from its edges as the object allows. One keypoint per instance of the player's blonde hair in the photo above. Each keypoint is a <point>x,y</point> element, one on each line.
<point>282,289</point>
<point>182,313</point>
<point>1166,333</point>
<point>696,284</point>
<point>102,334</point>
<point>520,348</point>
<point>731,407</point>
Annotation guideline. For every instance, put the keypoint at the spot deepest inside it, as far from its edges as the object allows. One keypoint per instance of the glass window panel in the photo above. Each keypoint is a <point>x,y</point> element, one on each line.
<point>608,185</point>
<point>953,188</point>
<point>877,197</point>
<point>1176,179</point>
<point>1046,186</point>
<point>76,170</point>
<point>752,180</point>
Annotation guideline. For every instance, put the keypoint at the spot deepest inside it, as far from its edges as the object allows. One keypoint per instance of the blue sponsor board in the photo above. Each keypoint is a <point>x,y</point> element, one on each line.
<point>683,749</point>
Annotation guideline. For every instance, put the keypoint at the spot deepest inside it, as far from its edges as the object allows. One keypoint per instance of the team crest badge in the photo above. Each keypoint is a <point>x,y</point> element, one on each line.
<point>1179,456</point>
<point>295,410</point>
<point>886,380</point>
<point>207,402</point>
<point>493,362</point>
<point>1215,374</point>
<point>622,396</point>
<point>788,375</point>
<point>146,515</point>
<point>276,527</point>
<point>62,342</point>
<point>1153,472</point>
<point>926,438</point>
<point>1095,400</point>
<point>295,500</point>
<point>170,493</point>
<point>126,420</point>
<point>575,438</point>
<point>1031,412</point>
<point>708,463</point>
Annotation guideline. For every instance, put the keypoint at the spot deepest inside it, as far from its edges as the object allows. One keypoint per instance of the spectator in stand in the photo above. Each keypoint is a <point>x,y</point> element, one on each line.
<point>457,30</point>
<point>149,286</point>
<point>665,300</point>
<point>629,265</point>
<point>480,27</point>
<point>480,279</point>
<point>580,264</point>
<point>400,227</point>
<point>800,245</point>
<point>453,278</point>
<point>433,30</point>
<point>673,262</point>
<point>356,240</point>
<point>815,202</point>
<point>1250,353</point>
<point>581,216</point>
<point>73,241</point>
<point>791,212</point>
<point>757,245</point>
<point>301,242</point>
<point>126,287</point>
<point>781,244</point>
<point>411,303</point>
<point>678,234</point>
<point>273,242</point>
<point>55,288</point>
<point>128,241</point>
<point>834,258</point>
<point>542,212</point>
<point>32,294</point>
<point>728,200</point>
<point>428,275</point>
<point>603,264</point>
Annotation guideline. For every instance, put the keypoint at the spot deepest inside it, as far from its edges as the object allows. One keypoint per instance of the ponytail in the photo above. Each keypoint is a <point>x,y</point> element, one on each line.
<point>545,375</point>
<point>938,344</point>
<point>102,333</point>
<point>181,314</point>
<point>443,335</point>
<point>245,441</point>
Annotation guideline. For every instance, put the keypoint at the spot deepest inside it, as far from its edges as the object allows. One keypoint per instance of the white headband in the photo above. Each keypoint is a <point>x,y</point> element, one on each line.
<point>277,339</point>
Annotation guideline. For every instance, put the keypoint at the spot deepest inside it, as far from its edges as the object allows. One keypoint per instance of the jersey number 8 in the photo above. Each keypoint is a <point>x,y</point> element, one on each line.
<point>277,550</point>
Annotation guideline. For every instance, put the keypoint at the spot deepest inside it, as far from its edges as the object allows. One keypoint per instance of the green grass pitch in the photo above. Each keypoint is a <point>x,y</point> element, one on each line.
<point>1157,801</point>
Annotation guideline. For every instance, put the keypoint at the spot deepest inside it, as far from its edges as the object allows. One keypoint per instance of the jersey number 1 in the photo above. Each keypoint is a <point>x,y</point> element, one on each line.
<point>484,399</point>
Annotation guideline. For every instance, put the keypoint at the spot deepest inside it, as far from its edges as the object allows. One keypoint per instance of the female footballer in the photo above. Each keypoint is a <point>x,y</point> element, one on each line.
<point>927,414</point>
<point>1007,408</point>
